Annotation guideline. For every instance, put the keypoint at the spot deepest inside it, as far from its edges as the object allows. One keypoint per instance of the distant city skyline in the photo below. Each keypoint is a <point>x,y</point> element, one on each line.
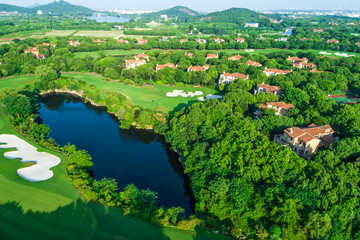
<point>202,4</point>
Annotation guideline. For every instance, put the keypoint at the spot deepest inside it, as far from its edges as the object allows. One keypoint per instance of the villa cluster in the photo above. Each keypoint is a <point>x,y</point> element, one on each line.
<point>36,52</point>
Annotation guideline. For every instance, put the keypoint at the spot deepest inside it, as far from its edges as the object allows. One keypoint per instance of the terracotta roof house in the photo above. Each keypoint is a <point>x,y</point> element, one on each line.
<point>74,43</point>
<point>212,56</point>
<point>333,41</point>
<point>271,71</point>
<point>49,44</point>
<point>265,88</point>
<point>122,40</point>
<point>297,59</point>
<point>280,108</point>
<point>190,55</point>
<point>240,40</point>
<point>306,141</point>
<point>235,58</point>
<point>199,40</point>
<point>252,63</point>
<point>142,41</point>
<point>134,63</point>
<point>227,78</point>
<point>304,65</point>
<point>198,68</point>
<point>159,67</point>
<point>98,41</point>
<point>219,40</point>
<point>314,71</point>
<point>141,55</point>
<point>183,40</point>
<point>357,43</point>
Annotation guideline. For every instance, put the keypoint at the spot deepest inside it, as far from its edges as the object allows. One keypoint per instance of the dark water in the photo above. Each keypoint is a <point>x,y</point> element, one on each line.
<point>129,156</point>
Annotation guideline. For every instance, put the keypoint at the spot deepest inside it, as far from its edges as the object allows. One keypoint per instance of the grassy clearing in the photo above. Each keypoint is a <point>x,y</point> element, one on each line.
<point>53,209</point>
<point>343,99</point>
<point>103,34</point>
<point>16,82</point>
<point>111,53</point>
<point>59,33</point>
<point>151,97</point>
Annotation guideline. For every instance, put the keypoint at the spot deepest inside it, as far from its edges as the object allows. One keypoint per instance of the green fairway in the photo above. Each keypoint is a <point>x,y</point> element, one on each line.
<point>16,82</point>
<point>343,99</point>
<point>120,52</point>
<point>151,97</point>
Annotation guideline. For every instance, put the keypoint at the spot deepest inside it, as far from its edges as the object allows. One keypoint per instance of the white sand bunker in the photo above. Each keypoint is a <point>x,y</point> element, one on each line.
<point>44,161</point>
<point>181,93</point>
<point>326,53</point>
<point>210,96</point>
<point>249,50</point>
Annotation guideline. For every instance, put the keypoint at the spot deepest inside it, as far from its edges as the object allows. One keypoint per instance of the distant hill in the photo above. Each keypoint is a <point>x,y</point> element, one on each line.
<point>178,11</point>
<point>62,7</point>
<point>58,7</point>
<point>34,5</point>
<point>235,15</point>
<point>12,8</point>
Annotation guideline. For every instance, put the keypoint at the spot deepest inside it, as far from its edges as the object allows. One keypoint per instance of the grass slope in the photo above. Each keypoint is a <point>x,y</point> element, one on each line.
<point>144,96</point>
<point>53,209</point>
<point>16,82</point>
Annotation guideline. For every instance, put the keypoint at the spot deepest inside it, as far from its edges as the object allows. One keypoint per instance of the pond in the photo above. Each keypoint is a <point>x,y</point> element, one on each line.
<point>129,156</point>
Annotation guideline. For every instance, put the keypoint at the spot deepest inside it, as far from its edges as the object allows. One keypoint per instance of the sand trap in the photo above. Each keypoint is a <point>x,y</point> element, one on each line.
<point>326,53</point>
<point>181,93</point>
<point>210,96</point>
<point>249,50</point>
<point>44,161</point>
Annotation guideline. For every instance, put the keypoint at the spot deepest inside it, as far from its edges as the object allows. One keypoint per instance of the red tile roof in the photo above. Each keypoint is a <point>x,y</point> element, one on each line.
<point>158,67</point>
<point>236,75</point>
<point>270,89</point>
<point>212,56</point>
<point>252,63</point>
<point>235,58</point>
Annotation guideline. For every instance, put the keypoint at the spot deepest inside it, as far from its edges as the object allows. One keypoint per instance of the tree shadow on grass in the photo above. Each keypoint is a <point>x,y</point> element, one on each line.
<point>182,105</point>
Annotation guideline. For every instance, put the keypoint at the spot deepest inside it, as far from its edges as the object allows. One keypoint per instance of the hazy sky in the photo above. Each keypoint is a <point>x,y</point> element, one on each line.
<point>202,4</point>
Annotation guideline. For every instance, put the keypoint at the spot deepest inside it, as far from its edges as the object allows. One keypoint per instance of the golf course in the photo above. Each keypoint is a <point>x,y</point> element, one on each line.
<point>54,209</point>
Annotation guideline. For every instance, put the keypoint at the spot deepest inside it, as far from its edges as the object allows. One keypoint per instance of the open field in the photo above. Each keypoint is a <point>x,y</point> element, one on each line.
<point>231,51</point>
<point>103,34</point>
<point>16,82</point>
<point>59,33</point>
<point>151,97</point>
<point>54,209</point>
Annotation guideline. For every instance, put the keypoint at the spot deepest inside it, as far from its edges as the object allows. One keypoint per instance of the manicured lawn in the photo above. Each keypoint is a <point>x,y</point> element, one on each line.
<point>102,34</point>
<point>343,99</point>
<point>16,82</point>
<point>152,97</point>
<point>111,52</point>
<point>53,209</point>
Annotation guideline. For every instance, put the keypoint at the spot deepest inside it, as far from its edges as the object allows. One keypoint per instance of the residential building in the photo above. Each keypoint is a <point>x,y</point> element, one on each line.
<point>134,63</point>
<point>240,40</point>
<point>122,41</point>
<point>318,30</point>
<point>333,41</point>
<point>183,40</point>
<point>159,67</point>
<point>49,44</point>
<point>306,141</point>
<point>357,43</point>
<point>252,24</point>
<point>265,88</point>
<point>198,68</point>
<point>314,71</point>
<point>280,108</point>
<point>227,78</point>
<point>282,39</point>
<point>252,63</point>
<point>142,41</point>
<point>235,58</point>
<point>199,40</point>
<point>297,59</point>
<point>273,72</point>
<point>74,43</point>
<point>141,55</point>
<point>304,65</point>
<point>219,40</point>
<point>190,55</point>
<point>212,56</point>
<point>98,41</point>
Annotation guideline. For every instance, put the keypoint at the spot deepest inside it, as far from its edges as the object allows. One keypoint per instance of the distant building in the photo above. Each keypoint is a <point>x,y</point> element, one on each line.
<point>318,30</point>
<point>252,24</point>
<point>35,52</point>
<point>357,43</point>
<point>265,88</point>
<point>297,59</point>
<point>122,41</point>
<point>240,40</point>
<point>314,71</point>
<point>253,63</point>
<point>49,44</point>
<point>212,56</point>
<point>142,41</point>
<point>134,63</point>
<point>306,141</point>
<point>273,72</point>
<point>199,40</point>
<point>159,67</point>
<point>227,78</point>
<point>235,58</point>
<point>280,108</point>
<point>219,40</point>
<point>333,41</point>
<point>282,39</point>
<point>163,40</point>
<point>190,55</point>
<point>141,55</point>
<point>304,65</point>
<point>74,43</point>
<point>98,41</point>
<point>198,68</point>
<point>183,40</point>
